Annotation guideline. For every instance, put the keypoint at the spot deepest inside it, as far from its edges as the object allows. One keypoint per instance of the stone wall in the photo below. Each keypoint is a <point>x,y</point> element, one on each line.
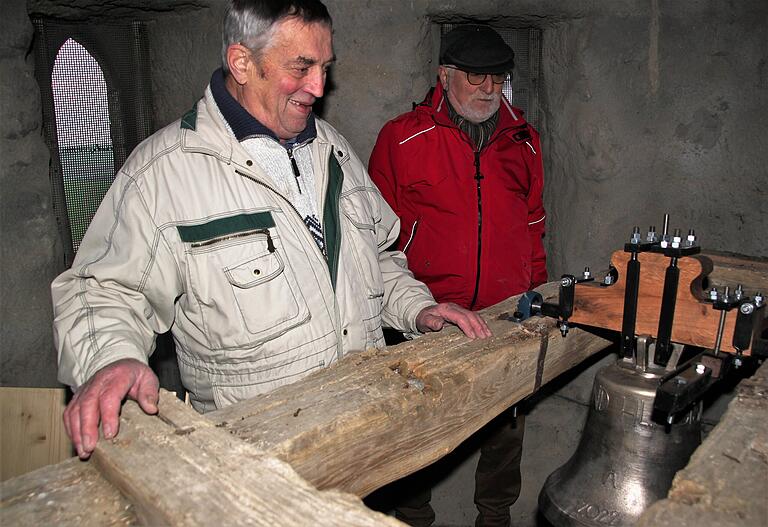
<point>649,107</point>
<point>30,252</point>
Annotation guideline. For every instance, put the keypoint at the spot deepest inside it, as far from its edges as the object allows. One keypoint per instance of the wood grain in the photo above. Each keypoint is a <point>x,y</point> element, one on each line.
<point>353,427</point>
<point>32,429</point>
<point>732,270</point>
<point>180,469</point>
<point>72,492</point>
<point>695,321</point>
<point>379,415</point>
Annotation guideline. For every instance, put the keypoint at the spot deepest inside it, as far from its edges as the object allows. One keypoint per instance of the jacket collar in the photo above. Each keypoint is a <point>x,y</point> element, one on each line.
<point>437,101</point>
<point>209,131</point>
<point>242,123</point>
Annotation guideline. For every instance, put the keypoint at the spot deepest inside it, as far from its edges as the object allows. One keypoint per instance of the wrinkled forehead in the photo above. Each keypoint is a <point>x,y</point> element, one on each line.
<point>310,42</point>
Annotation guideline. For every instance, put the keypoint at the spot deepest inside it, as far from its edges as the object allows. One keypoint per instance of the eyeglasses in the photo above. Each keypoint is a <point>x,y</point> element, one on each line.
<point>476,79</point>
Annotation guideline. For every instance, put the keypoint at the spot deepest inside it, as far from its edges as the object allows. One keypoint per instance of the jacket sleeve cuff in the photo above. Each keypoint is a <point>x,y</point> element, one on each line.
<point>74,376</point>
<point>410,317</point>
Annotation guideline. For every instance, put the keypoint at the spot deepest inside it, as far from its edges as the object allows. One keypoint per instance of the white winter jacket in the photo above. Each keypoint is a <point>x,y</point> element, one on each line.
<point>193,237</point>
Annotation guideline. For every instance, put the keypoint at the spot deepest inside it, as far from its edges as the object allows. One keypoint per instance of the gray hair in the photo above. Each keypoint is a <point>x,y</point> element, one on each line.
<point>253,23</point>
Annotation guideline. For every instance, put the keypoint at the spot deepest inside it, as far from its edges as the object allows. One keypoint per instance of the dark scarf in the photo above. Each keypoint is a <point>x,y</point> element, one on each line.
<point>479,133</point>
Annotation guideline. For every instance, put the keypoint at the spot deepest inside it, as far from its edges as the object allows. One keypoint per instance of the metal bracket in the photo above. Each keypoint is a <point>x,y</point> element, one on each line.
<point>531,303</point>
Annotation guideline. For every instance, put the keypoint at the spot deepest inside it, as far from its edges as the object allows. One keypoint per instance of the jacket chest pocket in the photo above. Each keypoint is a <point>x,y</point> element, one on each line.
<point>246,291</point>
<point>359,212</point>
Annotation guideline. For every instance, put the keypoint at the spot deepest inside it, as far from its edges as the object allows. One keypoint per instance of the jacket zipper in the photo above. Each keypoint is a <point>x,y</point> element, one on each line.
<point>270,243</point>
<point>272,189</point>
<point>295,167</point>
<point>478,178</point>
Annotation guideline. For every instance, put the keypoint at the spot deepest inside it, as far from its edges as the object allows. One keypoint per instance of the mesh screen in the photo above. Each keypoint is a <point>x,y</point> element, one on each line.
<point>523,90</point>
<point>97,107</point>
<point>82,128</point>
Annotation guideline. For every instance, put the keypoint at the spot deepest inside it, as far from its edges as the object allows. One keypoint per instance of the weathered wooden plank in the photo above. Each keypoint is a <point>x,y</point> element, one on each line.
<point>379,415</point>
<point>70,493</point>
<point>731,270</point>
<point>181,469</point>
<point>32,435</point>
<point>726,479</point>
<point>368,420</point>
<point>695,321</point>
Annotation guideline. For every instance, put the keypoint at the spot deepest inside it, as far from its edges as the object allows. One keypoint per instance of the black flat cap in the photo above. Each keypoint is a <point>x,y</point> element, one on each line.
<point>477,49</point>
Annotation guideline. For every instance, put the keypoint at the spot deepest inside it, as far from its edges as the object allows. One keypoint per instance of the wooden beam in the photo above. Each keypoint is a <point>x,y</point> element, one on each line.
<point>181,469</point>
<point>725,480</point>
<point>696,321</point>
<point>353,427</point>
<point>366,421</point>
<point>377,416</point>
<point>731,270</point>
<point>71,493</point>
<point>176,469</point>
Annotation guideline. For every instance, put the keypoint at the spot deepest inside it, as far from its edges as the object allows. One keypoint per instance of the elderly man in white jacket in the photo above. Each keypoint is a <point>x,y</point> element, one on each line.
<point>250,229</point>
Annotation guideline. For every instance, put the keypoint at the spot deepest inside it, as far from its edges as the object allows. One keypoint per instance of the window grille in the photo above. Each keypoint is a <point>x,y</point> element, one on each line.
<point>96,98</point>
<point>82,129</point>
<point>97,106</point>
<point>523,91</point>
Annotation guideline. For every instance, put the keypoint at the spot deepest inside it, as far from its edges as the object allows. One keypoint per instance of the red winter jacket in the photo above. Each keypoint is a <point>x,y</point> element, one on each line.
<point>473,241</point>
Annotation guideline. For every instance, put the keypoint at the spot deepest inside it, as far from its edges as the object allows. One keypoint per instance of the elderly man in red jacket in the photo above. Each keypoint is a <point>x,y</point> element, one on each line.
<point>463,171</point>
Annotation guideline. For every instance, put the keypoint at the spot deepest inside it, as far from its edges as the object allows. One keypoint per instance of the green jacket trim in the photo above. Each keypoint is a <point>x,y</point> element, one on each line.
<point>225,226</point>
<point>189,120</point>
<point>331,228</point>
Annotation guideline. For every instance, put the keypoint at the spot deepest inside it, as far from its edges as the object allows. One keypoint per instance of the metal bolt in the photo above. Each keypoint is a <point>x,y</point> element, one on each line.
<point>566,281</point>
<point>635,235</point>
<point>676,239</point>
<point>587,273</point>
<point>651,235</point>
<point>690,241</point>
<point>700,369</point>
<point>713,294</point>
<point>665,232</point>
<point>737,362</point>
<point>608,279</point>
<point>739,292</point>
<point>747,308</point>
<point>758,299</point>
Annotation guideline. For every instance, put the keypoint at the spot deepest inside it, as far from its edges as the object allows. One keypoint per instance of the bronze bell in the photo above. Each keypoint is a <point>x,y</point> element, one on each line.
<point>624,461</point>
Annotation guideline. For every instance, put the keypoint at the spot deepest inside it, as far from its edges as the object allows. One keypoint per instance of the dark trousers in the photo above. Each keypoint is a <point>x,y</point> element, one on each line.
<point>497,478</point>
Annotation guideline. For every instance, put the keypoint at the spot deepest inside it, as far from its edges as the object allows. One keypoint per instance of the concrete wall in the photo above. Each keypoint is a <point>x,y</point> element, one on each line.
<point>649,107</point>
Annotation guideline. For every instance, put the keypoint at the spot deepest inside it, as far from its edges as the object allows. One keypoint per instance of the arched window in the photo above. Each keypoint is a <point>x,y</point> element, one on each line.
<point>97,106</point>
<point>96,96</point>
<point>81,111</point>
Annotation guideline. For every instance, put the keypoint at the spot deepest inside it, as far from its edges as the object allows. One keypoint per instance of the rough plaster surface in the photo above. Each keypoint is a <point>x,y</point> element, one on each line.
<point>182,65</point>
<point>29,249</point>
<point>649,107</point>
<point>653,112</point>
